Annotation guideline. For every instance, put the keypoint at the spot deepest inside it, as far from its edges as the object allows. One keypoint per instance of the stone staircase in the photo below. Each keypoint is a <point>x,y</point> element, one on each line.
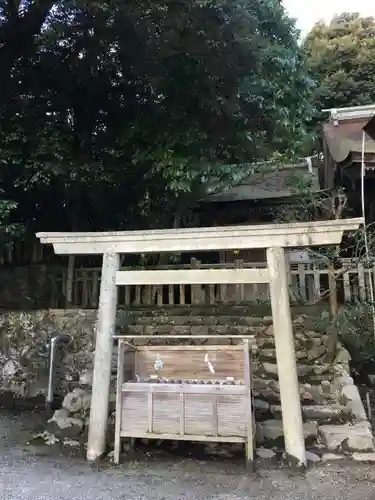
<point>334,419</point>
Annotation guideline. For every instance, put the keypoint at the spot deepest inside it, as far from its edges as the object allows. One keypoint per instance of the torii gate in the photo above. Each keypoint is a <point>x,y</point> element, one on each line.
<point>274,237</point>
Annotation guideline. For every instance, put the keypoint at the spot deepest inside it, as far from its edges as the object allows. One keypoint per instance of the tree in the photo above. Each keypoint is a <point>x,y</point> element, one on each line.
<point>341,58</point>
<point>120,112</point>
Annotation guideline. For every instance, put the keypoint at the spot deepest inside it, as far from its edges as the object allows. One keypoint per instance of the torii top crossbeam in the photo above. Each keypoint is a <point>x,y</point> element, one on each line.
<point>303,234</point>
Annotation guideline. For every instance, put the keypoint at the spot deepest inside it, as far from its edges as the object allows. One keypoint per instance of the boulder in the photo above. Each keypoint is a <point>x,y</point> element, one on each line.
<point>316,352</point>
<point>73,402</point>
<point>260,406</point>
<point>270,369</point>
<point>326,414</point>
<point>65,427</point>
<point>332,457</point>
<point>265,453</point>
<point>364,457</point>
<point>347,437</point>
<point>312,457</point>
<point>85,378</point>
<point>351,397</point>
<point>272,431</point>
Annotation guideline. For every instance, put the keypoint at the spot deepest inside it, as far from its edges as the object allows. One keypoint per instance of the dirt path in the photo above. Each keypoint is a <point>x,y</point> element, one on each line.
<point>31,473</point>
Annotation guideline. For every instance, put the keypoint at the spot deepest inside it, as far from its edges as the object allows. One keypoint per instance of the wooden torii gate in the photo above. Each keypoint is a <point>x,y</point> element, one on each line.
<point>274,237</point>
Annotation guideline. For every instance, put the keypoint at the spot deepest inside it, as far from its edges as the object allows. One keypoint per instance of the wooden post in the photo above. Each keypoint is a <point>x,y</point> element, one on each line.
<point>286,359</point>
<point>249,411</point>
<point>103,357</point>
<point>196,290</point>
<point>69,282</point>
<point>120,381</point>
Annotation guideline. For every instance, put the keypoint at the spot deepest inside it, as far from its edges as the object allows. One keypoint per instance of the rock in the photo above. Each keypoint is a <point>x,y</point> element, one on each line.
<point>356,437</point>
<point>342,356</point>
<point>343,380</point>
<point>276,412</point>
<point>71,443</point>
<point>9,369</point>
<point>326,387</point>
<point>316,352</point>
<point>272,430</point>
<point>312,457</point>
<point>68,427</point>
<point>261,406</point>
<point>267,354</point>
<point>86,402</point>
<point>371,380</point>
<point>265,453</point>
<point>311,395</point>
<point>351,397</point>
<point>270,368</point>
<point>85,378</point>
<point>47,437</point>
<point>268,331</point>
<point>331,457</point>
<point>364,457</point>
<point>316,341</point>
<point>72,402</point>
<point>326,414</point>
<point>60,414</point>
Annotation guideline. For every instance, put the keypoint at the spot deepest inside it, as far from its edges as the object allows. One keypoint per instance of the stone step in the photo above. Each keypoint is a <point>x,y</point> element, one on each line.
<point>270,433</point>
<point>188,310</point>
<point>322,414</point>
<point>171,329</point>
<point>314,372</point>
<point>163,320</point>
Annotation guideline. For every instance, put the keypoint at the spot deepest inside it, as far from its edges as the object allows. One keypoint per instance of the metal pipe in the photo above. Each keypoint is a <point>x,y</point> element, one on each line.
<point>55,342</point>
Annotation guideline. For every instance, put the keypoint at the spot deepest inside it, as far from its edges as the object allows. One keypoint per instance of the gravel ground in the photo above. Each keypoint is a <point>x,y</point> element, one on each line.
<point>35,473</point>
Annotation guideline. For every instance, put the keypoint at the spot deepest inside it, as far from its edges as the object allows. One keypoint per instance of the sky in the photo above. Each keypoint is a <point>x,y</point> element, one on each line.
<point>309,12</point>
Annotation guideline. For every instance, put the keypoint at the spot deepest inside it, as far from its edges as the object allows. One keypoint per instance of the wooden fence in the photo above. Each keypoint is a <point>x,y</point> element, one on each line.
<point>308,281</point>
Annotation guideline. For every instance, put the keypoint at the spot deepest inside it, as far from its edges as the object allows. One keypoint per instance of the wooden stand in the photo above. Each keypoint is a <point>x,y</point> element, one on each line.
<point>187,409</point>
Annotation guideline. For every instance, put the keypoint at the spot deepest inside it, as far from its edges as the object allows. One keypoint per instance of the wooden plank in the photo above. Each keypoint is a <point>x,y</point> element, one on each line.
<point>185,437</point>
<point>347,288</point>
<point>132,340</point>
<point>302,281</point>
<point>214,416</point>
<point>192,277</point>
<point>213,389</point>
<point>197,348</point>
<point>202,239</point>
<point>182,295</point>
<point>361,282</point>
<point>170,294</point>
<point>180,364</point>
<point>249,410</point>
<point>95,288</point>
<point>127,296</point>
<point>316,281</point>
<point>150,409</point>
<point>120,381</point>
<point>137,300</point>
<point>70,281</point>
<point>182,413</point>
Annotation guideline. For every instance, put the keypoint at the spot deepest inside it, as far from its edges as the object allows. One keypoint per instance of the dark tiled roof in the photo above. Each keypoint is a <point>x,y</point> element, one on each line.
<point>345,140</point>
<point>277,183</point>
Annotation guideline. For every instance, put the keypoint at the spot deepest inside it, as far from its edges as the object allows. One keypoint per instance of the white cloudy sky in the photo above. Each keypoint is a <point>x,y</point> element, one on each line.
<point>308,12</point>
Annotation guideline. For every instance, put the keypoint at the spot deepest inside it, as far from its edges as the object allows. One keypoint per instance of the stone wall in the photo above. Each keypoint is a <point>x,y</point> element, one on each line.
<point>24,341</point>
<point>332,410</point>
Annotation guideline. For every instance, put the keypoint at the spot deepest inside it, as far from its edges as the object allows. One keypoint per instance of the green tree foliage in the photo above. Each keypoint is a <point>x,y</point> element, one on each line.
<point>341,57</point>
<point>114,114</point>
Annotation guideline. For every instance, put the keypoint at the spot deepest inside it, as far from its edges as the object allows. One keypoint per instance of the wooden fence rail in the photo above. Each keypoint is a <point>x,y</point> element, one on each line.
<point>308,281</point>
